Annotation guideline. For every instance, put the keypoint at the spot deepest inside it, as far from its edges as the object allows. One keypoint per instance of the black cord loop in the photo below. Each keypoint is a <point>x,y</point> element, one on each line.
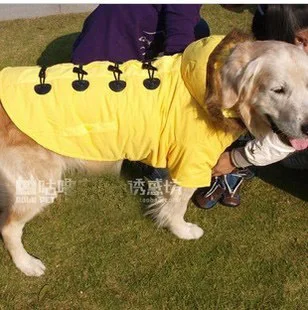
<point>117,85</point>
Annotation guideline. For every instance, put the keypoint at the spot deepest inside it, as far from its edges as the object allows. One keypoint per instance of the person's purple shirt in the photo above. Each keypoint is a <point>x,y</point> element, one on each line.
<point>139,31</point>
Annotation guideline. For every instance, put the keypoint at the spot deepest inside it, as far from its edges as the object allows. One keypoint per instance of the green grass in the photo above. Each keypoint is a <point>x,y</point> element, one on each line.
<point>101,253</point>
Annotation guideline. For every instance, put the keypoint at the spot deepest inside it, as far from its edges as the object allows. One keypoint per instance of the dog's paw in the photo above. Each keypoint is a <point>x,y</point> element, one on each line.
<point>31,266</point>
<point>187,231</point>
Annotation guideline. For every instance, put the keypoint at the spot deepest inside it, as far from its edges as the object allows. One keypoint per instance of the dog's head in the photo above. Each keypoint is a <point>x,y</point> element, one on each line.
<point>267,83</point>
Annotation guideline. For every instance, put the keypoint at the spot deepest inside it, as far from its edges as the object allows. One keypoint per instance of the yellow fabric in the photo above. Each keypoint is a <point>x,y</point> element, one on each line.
<point>166,127</point>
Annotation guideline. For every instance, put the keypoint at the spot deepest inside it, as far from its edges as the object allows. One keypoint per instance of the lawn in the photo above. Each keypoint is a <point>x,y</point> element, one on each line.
<point>101,253</point>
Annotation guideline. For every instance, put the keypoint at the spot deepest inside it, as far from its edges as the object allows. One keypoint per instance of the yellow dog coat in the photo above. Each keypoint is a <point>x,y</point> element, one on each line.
<point>164,127</point>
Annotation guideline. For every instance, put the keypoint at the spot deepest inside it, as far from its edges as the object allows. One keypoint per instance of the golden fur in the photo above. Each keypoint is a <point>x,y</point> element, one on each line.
<point>213,96</point>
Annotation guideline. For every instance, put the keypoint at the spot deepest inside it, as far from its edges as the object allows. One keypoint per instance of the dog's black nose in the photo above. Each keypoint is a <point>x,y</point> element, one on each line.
<point>304,129</point>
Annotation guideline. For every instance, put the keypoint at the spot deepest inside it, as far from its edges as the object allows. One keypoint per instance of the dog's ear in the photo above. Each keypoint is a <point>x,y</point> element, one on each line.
<point>214,87</point>
<point>248,86</point>
<point>238,68</point>
<point>246,83</point>
<point>241,80</point>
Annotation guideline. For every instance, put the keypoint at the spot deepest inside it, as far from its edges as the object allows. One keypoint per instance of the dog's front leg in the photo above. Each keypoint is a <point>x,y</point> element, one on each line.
<point>169,212</point>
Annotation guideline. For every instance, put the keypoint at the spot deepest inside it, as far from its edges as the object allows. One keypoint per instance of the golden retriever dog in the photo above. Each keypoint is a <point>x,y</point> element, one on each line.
<point>266,82</point>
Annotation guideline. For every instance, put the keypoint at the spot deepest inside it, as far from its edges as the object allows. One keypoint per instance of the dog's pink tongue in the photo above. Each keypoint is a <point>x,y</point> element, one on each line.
<point>299,144</point>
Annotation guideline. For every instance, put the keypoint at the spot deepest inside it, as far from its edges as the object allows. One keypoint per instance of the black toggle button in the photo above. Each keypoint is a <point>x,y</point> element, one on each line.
<point>117,85</point>
<point>42,88</point>
<point>80,84</point>
<point>150,83</point>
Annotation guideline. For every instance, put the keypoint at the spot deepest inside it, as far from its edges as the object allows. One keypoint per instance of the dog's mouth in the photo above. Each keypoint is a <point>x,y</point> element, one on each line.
<point>298,144</point>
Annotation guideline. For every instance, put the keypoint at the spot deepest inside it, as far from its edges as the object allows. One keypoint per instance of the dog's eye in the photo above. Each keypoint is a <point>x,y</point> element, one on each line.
<point>279,90</point>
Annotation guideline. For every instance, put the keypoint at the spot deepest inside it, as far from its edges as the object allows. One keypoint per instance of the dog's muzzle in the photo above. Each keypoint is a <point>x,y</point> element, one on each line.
<point>274,127</point>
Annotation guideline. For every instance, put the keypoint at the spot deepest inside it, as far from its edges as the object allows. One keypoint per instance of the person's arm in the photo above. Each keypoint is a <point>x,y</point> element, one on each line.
<point>256,152</point>
<point>180,21</point>
<point>262,152</point>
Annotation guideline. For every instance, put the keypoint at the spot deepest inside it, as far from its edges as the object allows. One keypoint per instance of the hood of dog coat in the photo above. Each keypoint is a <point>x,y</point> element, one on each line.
<point>194,65</point>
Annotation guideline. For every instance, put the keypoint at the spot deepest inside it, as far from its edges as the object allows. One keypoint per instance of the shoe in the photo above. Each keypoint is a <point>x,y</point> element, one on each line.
<point>231,196</point>
<point>207,197</point>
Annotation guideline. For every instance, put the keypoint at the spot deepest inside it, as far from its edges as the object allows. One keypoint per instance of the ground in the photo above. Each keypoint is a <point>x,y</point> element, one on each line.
<point>101,253</point>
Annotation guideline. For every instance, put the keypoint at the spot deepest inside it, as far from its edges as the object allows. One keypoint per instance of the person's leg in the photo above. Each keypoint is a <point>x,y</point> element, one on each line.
<point>299,160</point>
<point>201,29</point>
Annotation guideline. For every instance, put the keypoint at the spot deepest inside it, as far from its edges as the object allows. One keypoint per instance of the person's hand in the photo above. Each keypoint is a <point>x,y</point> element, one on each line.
<point>224,165</point>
